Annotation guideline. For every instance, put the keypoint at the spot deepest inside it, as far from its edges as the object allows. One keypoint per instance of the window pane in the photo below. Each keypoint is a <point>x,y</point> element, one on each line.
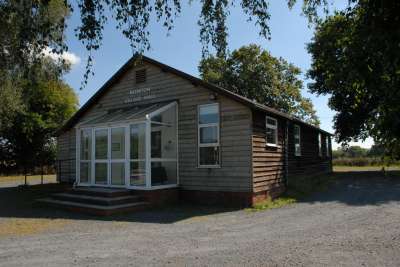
<point>209,155</point>
<point>86,144</point>
<point>271,136</point>
<point>118,173</point>
<point>297,151</point>
<point>319,144</point>
<point>163,136</point>
<point>85,172</point>
<point>101,173</point>
<point>163,173</point>
<point>138,173</point>
<point>101,137</point>
<point>208,135</point>
<point>327,146</point>
<point>138,146</point>
<point>271,121</point>
<point>156,144</point>
<point>208,114</point>
<point>168,116</point>
<point>118,143</point>
<point>296,132</point>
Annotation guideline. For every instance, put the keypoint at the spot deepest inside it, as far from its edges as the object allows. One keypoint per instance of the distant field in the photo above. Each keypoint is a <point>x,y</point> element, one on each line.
<point>20,179</point>
<point>364,168</point>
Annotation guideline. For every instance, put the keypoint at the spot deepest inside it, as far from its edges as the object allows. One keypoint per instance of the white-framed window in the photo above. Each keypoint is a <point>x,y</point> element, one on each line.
<point>271,125</point>
<point>297,140</point>
<point>320,145</point>
<point>327,147</point>
<point>208,136</point>
<point>85,156</point>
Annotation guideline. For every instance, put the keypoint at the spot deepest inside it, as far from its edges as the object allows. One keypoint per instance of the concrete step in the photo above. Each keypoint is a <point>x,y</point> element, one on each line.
<point>97,200</point>
<point>100,191</point>
<point>93,209</point>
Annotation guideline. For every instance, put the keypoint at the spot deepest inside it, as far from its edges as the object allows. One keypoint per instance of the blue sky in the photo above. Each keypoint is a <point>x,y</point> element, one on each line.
<point>181,49</point>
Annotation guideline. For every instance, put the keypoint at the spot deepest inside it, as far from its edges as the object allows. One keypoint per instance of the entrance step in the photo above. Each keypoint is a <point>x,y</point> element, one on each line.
<point>97,200</point>
<point>101,210</point>
<point>101,191</point>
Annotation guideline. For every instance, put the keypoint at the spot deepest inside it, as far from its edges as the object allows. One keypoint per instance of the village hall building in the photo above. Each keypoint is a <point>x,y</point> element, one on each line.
<point>166,134</point>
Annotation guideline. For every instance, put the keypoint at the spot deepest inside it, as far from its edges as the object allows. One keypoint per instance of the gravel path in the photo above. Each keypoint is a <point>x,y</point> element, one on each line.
<point>355,223</point>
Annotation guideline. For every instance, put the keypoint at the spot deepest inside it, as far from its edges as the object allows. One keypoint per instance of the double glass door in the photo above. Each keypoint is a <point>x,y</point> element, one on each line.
<point>109,156</point>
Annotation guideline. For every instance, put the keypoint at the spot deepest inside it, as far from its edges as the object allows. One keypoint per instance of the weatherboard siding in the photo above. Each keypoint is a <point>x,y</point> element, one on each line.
<point>309,162</point>
<point>66,155</point>
<point>235,129</point>
<point>268,161</point>
<point>272,170</point>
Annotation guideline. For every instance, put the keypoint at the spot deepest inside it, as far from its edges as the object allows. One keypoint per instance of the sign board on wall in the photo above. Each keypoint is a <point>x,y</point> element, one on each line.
<point>140,94</point>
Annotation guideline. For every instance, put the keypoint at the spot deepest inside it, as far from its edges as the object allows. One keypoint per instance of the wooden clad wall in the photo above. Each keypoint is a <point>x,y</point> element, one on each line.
<point>66,155</point>
<point>235,172</point>
<point>309,163</point>
<point>268,162</point>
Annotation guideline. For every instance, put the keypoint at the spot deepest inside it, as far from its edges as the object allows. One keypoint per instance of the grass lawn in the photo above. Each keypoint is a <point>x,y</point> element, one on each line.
<point>20,179</point>
<point>364,168</point>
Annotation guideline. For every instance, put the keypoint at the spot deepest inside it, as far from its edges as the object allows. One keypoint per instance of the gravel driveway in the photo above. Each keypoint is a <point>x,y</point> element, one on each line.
<point>355,223</point>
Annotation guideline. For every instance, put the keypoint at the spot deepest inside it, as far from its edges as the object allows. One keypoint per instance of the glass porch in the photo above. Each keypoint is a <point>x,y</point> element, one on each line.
<point>132,148</point>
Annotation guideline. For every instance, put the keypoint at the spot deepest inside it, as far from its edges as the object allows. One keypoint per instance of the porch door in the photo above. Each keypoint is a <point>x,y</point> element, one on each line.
<point>109,158</point>
<point>101,152</point>
<point>118,154</point>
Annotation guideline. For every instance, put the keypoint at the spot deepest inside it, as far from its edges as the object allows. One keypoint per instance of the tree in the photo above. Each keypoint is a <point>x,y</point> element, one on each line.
<point>28,29</point>
<point>254,73</point>
<point>47,102</point>
<point>356,60</point>
<point>31,26</point>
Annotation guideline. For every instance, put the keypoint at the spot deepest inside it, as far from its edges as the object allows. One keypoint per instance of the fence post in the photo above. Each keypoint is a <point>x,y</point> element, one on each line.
<point>26,182</point>
<point>41,178</point>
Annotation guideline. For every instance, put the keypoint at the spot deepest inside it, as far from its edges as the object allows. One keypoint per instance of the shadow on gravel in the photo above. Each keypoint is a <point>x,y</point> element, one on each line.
<point>19,202</point>
<point>359,188</point>
<point>350,188</point>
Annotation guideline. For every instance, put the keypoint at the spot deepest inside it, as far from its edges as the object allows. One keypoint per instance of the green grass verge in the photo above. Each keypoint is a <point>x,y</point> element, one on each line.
<point>31,179</point>
<point>338,168</point>
<point>299,189</point>
<point>273,204</point>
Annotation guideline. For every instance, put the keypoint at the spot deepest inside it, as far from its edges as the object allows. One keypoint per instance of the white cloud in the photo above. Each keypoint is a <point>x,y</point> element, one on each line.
<point>71,58</point>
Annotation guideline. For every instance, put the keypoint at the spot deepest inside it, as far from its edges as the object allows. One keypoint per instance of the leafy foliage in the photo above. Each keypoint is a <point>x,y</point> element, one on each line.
<point>27,29</point>
<point>26,139</point>
<point>356,60</point>
<point>254,73</point>
<point>30,26</point>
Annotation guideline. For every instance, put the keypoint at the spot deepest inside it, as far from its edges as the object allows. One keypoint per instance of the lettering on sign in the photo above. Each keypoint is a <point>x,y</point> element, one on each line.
<point>141,94</point>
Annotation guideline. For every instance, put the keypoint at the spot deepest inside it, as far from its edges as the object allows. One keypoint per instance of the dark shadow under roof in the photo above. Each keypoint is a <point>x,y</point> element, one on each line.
<point>196,81</point>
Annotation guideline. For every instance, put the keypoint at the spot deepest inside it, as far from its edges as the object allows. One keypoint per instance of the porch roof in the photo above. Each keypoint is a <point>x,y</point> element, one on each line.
<point>135,113</point>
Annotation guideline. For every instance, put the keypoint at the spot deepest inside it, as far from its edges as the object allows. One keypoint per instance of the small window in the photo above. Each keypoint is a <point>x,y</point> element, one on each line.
<point>327,146</point>
<point>272,131</point>
<point>320,145</point>
<point>140,76</point>
<point>297,141</point>
<point>208,136</point>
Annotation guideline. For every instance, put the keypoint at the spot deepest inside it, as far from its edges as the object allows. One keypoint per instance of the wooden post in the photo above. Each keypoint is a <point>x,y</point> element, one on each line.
<point>41,178</point>
<point>26,182</point>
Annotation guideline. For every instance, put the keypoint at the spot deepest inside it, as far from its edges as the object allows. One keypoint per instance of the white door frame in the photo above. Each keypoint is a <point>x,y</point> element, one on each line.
<point>127,160</point>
